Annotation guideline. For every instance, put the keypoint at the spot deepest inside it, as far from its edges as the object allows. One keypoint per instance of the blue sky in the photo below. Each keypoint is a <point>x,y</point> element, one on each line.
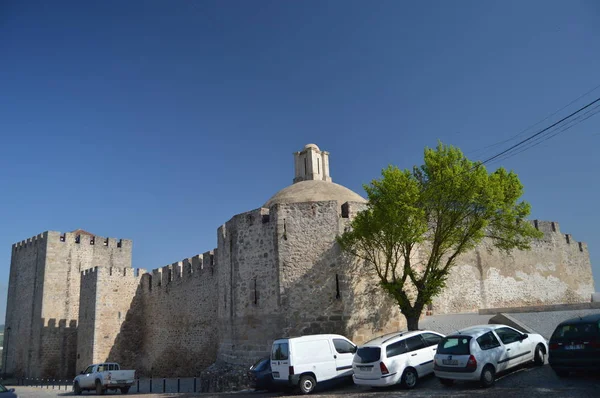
<point>158,121</point>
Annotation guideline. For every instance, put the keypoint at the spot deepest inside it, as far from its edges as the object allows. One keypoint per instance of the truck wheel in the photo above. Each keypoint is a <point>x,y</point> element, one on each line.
<point>124,390</point>
<point>307,384</point>
<point>99,388</point>
<point>76,388</point>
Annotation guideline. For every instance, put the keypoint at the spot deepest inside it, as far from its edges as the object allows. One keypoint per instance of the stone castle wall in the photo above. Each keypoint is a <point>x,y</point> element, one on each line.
<point>556,270</point>
<point>43,308</point>
<point>106,298</point>
<point>276,272</point>
<point>248,301</point>
<point>24,306</point>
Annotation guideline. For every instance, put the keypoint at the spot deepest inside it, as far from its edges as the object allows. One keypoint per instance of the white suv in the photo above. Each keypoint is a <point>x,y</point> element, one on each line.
<point>479,352</point>
<point>400,357</point>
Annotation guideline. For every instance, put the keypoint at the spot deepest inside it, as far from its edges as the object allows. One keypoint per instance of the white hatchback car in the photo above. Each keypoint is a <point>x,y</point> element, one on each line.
<point>479,352</point>
<point>400,357</point>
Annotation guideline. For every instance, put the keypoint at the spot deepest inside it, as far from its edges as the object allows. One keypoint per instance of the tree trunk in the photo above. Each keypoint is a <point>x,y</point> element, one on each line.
<point>412,321</point>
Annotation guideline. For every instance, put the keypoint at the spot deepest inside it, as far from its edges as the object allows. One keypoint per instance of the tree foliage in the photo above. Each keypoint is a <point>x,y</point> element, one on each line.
<point>417,223</point>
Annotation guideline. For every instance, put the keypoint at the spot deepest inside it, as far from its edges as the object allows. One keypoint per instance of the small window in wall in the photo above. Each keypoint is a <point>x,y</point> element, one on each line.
<point>318,166</point>
<point>119,315</point>
<point>305,167</point>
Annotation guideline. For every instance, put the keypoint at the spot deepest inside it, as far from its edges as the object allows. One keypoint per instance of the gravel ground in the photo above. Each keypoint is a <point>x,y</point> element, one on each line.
<point>527,381</point>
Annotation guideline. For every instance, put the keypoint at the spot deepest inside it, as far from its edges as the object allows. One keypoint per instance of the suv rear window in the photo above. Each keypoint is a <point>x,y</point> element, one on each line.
<point>367,355</point>
<point>454,345</point>
<point>577,330</point>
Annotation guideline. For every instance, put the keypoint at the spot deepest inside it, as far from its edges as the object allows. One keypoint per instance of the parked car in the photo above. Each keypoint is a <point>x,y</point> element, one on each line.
<point>575,345</point>
<point>479,352</point>
<point>305,361</point>
<point>7,393</point>
<point>260,376</point>
<point>401,357</point>
<point>102,377</point>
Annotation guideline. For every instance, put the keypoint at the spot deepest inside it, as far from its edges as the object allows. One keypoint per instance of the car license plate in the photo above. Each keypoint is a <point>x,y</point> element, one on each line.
<point>574,347</point>
<point>450,361</point>
<point>365,368</point>
<point>276,375</point>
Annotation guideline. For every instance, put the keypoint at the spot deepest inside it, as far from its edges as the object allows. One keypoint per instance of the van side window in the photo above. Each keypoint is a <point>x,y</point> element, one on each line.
<point>396,349</point>
<point>101,368</point>
<point>343,347</point>
<point>415,343</point>
<point>488,341</point>
<point>431,339</point>
<point>280,352</point>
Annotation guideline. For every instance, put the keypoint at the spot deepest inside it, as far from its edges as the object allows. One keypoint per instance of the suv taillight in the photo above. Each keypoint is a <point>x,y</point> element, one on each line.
<point>553,346</point>
<point>471,363</point>
<point>383,368</point>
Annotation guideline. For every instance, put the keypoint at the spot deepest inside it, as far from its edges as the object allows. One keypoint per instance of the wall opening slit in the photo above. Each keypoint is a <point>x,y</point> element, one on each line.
<point>255,293</point>
<point>337,286</point>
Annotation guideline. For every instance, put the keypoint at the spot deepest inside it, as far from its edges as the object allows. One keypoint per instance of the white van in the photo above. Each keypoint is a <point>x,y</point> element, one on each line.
<point>305,361</point>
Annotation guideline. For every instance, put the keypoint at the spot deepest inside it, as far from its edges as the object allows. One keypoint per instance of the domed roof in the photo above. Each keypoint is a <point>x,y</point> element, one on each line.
<point>314,146</point>
<point>314,191</point>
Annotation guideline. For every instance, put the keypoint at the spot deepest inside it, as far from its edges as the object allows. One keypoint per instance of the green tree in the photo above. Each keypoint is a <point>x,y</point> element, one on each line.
<point>443,208</point>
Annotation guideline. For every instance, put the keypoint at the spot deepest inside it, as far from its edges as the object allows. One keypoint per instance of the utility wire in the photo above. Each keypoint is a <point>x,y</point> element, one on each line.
<point>535,124</point>
<point>520,143</point>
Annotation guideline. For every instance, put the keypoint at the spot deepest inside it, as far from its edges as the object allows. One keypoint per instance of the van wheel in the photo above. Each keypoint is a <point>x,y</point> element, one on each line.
<point>540,357</point>
<point>488,376</point>
<point>76,388</point>
<point>99,388</point>
<point>447,382</point>
<point>307,384</point>
<point>409,378</point>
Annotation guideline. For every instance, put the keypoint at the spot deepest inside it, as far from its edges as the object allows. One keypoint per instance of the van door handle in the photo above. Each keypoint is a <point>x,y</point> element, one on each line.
<point>413,355</point>
<point>508,349</point>
<point>335,357</point>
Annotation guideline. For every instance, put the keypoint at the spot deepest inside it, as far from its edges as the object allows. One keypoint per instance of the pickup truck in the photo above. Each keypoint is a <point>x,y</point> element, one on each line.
<point>104,376</point>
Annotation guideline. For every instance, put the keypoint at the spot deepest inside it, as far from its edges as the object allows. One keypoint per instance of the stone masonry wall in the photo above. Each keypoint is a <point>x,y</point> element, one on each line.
<point>248,305</point>
<point>180,318</point>
<point>87,319</point>
<point>556,270</point>
<point>24,306</point>
<point>115,289</point>
<point>323,290</point>
<point>44,290</point>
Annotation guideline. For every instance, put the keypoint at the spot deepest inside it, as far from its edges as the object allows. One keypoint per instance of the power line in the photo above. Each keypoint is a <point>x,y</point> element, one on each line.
<point>539,140</point>
<point>535,124</point>
<point>518,144</point>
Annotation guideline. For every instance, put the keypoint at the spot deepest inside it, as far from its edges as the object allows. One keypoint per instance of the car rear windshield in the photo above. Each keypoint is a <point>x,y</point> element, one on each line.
<point>454,345</point>
<point>367,354</point>
<point>576,330</point>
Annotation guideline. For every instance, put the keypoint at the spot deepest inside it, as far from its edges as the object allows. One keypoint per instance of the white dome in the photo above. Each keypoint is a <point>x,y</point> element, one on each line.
<point>314,191</point>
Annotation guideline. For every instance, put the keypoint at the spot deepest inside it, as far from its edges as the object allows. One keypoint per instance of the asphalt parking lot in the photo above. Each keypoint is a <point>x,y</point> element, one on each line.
<point>526,382</point>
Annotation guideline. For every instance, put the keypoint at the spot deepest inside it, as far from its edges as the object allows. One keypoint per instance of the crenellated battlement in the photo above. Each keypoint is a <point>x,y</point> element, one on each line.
<point>34,240</point>
<point>113,271</point>
<point>184,269</point>
<point>551,230</point>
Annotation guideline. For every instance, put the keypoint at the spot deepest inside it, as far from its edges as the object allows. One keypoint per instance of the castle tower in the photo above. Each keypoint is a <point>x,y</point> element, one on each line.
<point>311,164</point>
<point>42,313</point>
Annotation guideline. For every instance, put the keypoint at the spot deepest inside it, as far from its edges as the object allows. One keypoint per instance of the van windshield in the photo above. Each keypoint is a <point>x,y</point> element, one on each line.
<point>367,355</point>
<point>576,330</point>
<point>280,352</point>
<point>454,345</point>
